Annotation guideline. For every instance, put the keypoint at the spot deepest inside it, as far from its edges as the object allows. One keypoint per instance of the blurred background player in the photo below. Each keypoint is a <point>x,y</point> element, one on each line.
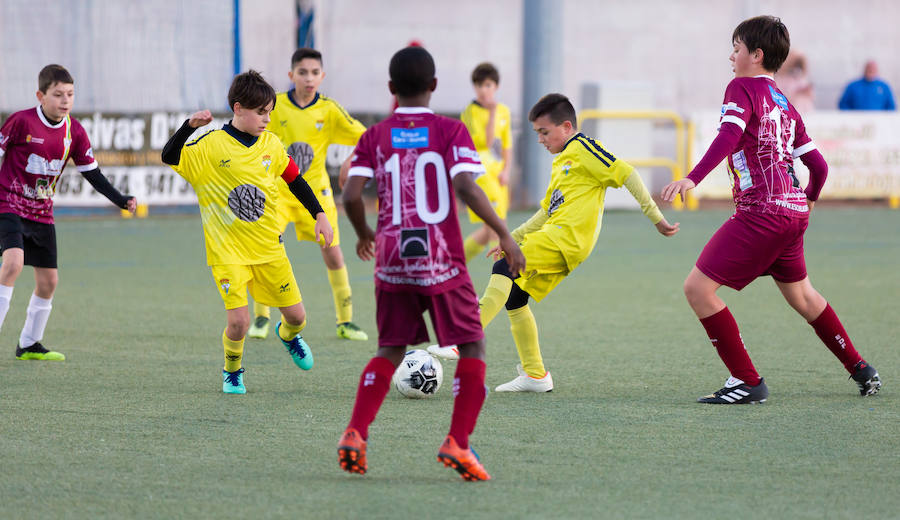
<point>563,232</point>
<point>488,122</point>
<point>761,134</point>
<point>414,156</point>
<point>307,122</point>
<point>35,145</point>
<point>237,172</point>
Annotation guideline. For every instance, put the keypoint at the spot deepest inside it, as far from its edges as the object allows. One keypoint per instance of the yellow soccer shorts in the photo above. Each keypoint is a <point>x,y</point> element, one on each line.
<point>498,195</point>
<point>290,210</point>
<point>272,284</point>
<point>545,265</point>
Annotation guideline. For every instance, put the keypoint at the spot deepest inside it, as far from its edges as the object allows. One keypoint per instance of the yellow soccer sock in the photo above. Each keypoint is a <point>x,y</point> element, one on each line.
<point>525,334</point>
<point>260,310</point>
<point>234,353</point>
<point>472,248</point>
<point>287,331</point>
<point>495,296</point>
<point>340,290</point>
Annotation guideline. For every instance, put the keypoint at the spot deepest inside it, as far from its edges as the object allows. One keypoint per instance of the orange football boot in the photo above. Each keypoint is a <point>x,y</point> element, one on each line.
<point>352,452</point>
<point>464,461</point>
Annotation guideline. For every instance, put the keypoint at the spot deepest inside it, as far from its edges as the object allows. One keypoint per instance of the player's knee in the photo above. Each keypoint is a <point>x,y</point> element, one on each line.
<point>294,315</point>
<point>237,326</point>
<point>502,267</point>
<point>13,262</point>
<point>517,298</point>
<point>693,291</point>
<point>45,282</point>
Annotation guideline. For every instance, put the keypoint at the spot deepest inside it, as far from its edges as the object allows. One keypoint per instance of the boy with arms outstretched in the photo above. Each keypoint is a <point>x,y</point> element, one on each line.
<point>563,232</point>
<point>307,122</point>
<point>236,173</point>
<point>414,156</point>
<point>761,134</point>
<point>35,145</point>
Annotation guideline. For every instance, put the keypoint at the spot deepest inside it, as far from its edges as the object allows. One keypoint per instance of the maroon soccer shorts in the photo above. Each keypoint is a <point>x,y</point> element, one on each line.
<point>750,245</point>
<point>454,315</point>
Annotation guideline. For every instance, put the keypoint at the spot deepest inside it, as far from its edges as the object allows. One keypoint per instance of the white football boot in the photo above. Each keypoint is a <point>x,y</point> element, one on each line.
<point>526,383</point>
<point>449,352</point>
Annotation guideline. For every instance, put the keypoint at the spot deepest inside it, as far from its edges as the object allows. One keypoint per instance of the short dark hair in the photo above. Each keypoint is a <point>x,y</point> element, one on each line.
<point>411,71</point>
<point>303,53</point>
<point>557,107</point>
<point>53,74</point>
<point>485,71</point>
<point>250,90</point>
<point>768,34</point>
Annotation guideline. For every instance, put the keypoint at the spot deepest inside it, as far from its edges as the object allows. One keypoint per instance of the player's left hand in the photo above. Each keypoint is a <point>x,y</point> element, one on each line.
<point>131,205</point>
<point>667,229</point>
<point>495,253</point>
<point>323,230</point>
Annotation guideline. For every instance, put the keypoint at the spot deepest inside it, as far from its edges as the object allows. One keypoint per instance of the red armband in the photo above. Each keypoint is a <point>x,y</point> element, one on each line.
<point>291,171</point>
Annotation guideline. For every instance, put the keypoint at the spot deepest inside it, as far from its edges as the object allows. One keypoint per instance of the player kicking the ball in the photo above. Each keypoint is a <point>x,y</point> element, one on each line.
<point>417,159</point>
<point>761,134</point>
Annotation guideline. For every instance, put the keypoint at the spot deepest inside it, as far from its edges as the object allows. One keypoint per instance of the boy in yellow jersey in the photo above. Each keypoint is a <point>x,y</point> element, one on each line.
<point>563,232</point>
<point>235,172</point>
<point>489,125</point>
<point>307,122</point>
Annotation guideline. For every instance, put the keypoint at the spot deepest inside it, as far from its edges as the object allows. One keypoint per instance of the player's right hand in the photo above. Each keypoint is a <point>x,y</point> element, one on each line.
<point>679,187</point>
<point>201,118</point>
<point>365,246</point>
<point>513,254</point>
<point>323,229</point>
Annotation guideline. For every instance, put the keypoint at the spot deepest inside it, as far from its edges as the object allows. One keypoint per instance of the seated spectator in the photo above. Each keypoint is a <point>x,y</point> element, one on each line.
<point>868,92</point>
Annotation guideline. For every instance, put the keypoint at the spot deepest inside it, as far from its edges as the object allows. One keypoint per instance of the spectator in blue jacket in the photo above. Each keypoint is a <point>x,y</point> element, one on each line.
<point>868,92</point>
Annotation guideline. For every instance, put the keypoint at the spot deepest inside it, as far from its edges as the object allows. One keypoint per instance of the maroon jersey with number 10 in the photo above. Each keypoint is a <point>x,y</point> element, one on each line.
<point>413,156</point>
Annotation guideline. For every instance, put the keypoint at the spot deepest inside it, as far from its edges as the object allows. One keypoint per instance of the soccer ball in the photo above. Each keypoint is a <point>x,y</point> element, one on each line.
<point>419,375</point>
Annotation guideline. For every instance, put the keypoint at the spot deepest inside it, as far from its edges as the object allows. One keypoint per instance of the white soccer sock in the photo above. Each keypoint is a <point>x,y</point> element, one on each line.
<point>35,321</point>
<point>5,297</point>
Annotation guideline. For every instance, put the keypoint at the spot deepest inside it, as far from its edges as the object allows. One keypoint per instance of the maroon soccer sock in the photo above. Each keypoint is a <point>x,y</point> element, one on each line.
<point>469,393</point>
<point>829,329</point>
<point>724,334</point>
<point>374,384</point>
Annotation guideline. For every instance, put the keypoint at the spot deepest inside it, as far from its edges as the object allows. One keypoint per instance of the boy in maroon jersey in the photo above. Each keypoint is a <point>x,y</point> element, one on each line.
<point>761,134</point>
<point>414,156</point>
<point>34,147</point>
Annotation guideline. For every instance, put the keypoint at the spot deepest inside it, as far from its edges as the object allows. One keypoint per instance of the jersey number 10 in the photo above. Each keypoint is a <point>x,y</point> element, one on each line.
<point>422,209</point>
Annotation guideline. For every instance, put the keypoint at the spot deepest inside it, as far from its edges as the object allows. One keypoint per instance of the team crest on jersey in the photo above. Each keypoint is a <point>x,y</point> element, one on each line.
<point>566,167</point>
<point>412,124</point>
<point>266,162</point>
<point>226,284</point>
<point>319,124</point>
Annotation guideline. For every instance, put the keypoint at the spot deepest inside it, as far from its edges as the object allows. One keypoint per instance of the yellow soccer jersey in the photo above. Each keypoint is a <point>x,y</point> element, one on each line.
<point>237,179</point>
<point>574,200</point>
<point>307,131</point>
<point>475,117</point>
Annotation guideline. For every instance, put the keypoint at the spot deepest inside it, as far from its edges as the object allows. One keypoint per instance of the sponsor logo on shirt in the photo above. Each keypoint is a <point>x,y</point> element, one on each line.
<point>3,139</point>
<point>40,166</point>
<point>35,140</point>
<point>465,152</point>
<point>41,191</point>
<point>778,98</point>
<point>556,200</point>
<point>413,243</point>
<point>409,138</point>
<point>731,105</point>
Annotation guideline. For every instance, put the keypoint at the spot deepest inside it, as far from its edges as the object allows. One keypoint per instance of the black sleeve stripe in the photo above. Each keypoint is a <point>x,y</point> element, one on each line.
<point>197,140</point>
<point>588,148</point>
<point>600,149</point>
